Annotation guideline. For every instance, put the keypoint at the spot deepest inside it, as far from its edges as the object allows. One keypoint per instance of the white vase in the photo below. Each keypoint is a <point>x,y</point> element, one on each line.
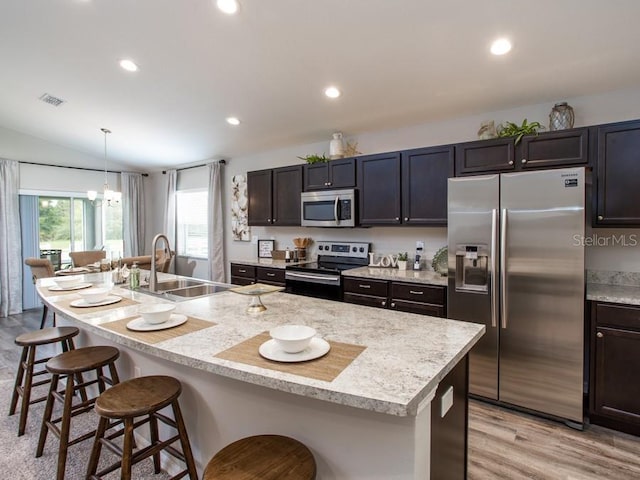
<point>336,147</point>
<point>402,264</point>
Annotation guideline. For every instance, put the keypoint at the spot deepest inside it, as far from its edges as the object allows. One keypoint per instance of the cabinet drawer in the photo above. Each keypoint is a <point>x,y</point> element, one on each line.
<point>246,271</point>
<point>365,286</point>
<point>241,280</point>
<point>418,293</point>
<point>368,300</point>
<point>620,316</point>
<point>273,276</point>
<point>418,307</point>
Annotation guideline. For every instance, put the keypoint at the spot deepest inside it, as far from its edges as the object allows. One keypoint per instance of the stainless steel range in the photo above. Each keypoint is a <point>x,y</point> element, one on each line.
<point>323,278</point>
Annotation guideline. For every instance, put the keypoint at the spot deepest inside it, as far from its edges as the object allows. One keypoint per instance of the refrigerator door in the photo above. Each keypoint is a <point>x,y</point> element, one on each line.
<point>542,304</point>
<point>472,232</point>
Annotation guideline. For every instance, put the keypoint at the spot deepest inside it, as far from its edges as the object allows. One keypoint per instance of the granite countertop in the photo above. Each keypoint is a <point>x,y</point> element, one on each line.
<point>270,262</point>
<point>413,276</point>
<point>626,294</point>
<point>405,358</point>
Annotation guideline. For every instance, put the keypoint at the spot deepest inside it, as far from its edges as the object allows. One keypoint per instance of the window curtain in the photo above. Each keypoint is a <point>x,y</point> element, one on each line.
<point>215,225</point>
<point>170,212</point>
<point>132,214</point>
<point>10,246</point>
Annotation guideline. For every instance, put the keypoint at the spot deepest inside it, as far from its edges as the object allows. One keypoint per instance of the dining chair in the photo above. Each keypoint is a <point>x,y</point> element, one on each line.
<point>41,268</point>
<point>82,259</point>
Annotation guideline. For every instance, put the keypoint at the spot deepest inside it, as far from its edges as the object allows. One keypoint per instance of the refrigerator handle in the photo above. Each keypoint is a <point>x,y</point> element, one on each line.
<point>503,267</point>
<point>494,268</point>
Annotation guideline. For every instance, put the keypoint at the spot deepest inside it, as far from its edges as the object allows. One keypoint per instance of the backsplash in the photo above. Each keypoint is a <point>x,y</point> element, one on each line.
<point>609,277</point>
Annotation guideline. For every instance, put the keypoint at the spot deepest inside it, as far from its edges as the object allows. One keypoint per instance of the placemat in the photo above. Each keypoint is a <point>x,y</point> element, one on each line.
<point>66,303</point>
<point>325,368</point>
<point>192,325</point>
<point>45,292</point>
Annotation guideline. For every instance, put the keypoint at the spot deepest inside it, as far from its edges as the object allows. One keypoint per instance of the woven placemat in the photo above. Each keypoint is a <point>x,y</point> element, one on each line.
<point>325,368</point>
<point>66,303</point>
<point>191,325</point>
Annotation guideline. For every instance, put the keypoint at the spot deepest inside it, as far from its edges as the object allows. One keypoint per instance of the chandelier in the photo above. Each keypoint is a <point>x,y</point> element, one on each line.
<point>111,197</point>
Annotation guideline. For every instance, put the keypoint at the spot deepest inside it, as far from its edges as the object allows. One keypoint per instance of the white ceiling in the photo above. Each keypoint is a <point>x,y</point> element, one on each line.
<point>398,62</point>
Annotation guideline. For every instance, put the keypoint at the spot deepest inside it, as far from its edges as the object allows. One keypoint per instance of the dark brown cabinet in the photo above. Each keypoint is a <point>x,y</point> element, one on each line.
<point>615,362</point>
<point>616,200</point>
<point>270,276</point>
<point>379,189</point>
<point>425,174</point>
<point>335,174</point>
<point>243,274</point>
<point>274,196</point>
<point>484,156</point>
<point>364,291</point>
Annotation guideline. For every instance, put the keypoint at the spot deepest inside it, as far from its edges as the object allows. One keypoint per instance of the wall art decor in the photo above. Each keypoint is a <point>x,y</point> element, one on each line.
<point>239,213</point>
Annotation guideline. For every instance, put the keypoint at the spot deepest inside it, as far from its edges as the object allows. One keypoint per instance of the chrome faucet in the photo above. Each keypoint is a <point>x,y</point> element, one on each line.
<point>153,277</point>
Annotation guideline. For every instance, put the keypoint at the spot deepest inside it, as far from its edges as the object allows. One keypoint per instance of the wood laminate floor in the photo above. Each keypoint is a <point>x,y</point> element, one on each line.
<point>503,444</point>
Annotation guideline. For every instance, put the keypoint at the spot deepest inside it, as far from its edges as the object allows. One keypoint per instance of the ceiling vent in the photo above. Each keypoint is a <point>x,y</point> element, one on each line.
<point>51,100</point>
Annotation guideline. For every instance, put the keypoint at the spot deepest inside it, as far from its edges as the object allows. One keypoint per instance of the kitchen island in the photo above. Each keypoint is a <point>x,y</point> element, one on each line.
<point>372,421</point>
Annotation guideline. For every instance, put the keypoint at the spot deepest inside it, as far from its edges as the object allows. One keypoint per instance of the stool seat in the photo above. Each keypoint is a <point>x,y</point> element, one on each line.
<point>262,457</point>
<point>46,335</point>
<point>82,359</point>
<point>138,396</point>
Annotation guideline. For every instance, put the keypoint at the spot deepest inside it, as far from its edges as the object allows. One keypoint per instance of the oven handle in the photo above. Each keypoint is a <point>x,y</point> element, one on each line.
<point>335,209</point>
<point>302,276</point>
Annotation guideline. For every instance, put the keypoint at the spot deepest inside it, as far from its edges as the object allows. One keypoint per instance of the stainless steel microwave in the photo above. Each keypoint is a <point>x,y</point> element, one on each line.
<point>329,208</point>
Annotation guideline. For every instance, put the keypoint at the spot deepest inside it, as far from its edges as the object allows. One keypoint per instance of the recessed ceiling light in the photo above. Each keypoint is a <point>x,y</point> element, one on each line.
<point>332,92</point>
<point>501,46</point>
<point>233,121</point>
<point>129,65</point>
<point>228,6</point>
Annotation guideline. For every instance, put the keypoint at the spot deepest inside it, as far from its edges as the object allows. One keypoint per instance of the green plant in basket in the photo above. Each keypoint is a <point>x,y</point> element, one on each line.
<point>403,256</point>
<point>314,158</point>
<point>510,129</point>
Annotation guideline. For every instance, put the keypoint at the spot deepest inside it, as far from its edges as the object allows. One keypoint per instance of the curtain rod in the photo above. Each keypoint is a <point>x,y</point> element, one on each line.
<point>77,168</point>
<point>222,161</point>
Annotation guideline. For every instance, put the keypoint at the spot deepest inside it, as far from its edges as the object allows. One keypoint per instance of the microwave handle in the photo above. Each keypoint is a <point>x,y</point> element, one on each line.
<point>335,208</point>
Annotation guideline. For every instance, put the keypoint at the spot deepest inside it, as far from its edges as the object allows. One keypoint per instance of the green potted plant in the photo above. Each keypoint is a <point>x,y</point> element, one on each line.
<point>402,260</point>
<point>510,129</point>
<point>314,158</point>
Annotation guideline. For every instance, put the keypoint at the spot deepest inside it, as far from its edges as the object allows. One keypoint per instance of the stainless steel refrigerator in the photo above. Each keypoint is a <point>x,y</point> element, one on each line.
<point>516,264</point>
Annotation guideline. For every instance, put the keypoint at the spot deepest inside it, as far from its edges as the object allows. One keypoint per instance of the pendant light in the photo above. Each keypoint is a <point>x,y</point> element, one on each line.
<point>111,197</point>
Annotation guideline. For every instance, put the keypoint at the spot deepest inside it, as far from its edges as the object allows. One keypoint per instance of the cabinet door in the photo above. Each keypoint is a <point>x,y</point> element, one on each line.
<point>316,176</point>
<point>485,156</point>
<point>342,173</point>
<point>379,189</point>
<point>260,203</point>
<point>365,286</point>
<point>246,271</point>
<point>368,300</point>
<point>287,186</point>
<point>271,276</point>
<point>417,307</point>
<point>618,165</point>
<point>555,149</point>
<point>425,174</point>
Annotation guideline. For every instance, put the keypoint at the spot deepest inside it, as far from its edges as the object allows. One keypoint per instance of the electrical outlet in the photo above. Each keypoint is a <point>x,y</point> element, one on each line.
<point>136,371</point>
<point>420,245</point>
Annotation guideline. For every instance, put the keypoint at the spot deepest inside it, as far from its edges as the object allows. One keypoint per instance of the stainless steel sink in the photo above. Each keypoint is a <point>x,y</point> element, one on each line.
<point>177,283</point>
<point>184,288</point>
<point>198,291</point>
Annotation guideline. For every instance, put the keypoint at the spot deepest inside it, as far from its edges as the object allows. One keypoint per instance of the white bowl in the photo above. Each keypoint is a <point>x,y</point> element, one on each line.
<point>94,295</point>
<point>292,338</point>
<point>68,282</point>
<point>156,313</point>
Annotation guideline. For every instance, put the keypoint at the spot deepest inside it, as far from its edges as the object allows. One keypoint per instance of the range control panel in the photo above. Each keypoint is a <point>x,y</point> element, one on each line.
<point>344,249</point>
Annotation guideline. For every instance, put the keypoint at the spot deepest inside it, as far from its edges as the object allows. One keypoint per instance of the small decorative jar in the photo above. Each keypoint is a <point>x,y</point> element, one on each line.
<point>336,147</point>
<point>561,117</point>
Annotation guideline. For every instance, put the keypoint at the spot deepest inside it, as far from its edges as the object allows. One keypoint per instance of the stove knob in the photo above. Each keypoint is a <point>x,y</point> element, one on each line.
<point>354,249</point>
<point>361,249</point>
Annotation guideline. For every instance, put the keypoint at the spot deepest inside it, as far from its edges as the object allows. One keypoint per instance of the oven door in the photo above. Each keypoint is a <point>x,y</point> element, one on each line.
<point>334,208</point>
<point>319,285</point>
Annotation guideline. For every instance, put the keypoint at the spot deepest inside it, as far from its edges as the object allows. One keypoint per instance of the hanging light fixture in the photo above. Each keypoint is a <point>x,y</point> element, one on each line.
<point>111,197</point>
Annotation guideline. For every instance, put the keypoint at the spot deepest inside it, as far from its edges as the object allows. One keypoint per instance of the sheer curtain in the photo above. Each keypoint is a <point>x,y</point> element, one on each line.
<point>216,234</point>
<point>132,214</point>
<point>170,211</point>
<point>10,247</point>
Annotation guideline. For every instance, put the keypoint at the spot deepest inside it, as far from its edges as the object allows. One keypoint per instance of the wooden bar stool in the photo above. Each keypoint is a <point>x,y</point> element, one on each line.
<point>30,342</point>
<point>70,366</point>
<point>140,397</point>
<point>262,457</point>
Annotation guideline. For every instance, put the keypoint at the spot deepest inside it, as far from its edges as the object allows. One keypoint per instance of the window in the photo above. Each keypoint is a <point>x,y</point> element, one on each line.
<point>191,220</point>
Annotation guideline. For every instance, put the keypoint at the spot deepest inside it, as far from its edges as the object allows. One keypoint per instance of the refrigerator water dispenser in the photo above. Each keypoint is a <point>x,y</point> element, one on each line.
<point>472,268</point>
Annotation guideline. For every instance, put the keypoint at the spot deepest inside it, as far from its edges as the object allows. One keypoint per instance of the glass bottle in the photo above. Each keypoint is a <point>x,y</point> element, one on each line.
<point>134,276</point>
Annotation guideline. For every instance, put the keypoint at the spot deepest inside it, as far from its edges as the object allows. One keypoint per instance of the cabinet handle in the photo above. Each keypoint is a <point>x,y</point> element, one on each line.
<point>242,271</point>
<point>384,303</point>
<point>268,220</point>
<point>600,217</point>
<point>398,219</point>
<point>393,305</point>
<point>271,274</point>
<point>510,162</point>
<point>364,286</point>
<point>599,335</point>
<point>524,160</point>
<point>273,220</point>
<point>415,293</point>
<point>406,219</point>
<point>328,184</point>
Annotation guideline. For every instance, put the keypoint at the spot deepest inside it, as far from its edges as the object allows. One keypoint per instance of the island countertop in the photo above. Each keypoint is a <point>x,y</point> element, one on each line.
<point>405,358</point>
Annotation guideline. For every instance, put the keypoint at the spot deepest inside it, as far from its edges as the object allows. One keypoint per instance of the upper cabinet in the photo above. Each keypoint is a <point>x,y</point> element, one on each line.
<point>425,173</point>
<point>335,174</point>
<point>379,189</point>
<point>274,196</point>
<point>548,150</point>
<point>616,200</point>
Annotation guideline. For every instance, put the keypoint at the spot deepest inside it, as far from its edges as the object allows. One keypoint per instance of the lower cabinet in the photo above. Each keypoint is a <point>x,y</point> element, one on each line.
<point>614,399</point>
<point>242,274</point>
<point>270,276</point>
<point>402,296</point>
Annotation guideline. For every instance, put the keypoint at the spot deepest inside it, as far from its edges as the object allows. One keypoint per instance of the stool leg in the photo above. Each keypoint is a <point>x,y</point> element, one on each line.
<point>26,392</point>
<point>94,459</point>
<point>153,431</point>
<point>184,440</point>
<point>113,373</point>
<point>45,310</point>
<point>65,426</point>
<point>46,417</point>
<point>18,384</point>
<point>127,450</point>
<point>54,319</point>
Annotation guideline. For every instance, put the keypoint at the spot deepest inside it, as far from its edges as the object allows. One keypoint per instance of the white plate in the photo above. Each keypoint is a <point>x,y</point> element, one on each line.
<point>82,303</point>
<point>316,349</point>
<point>80,286</point>
<point>139,325</point>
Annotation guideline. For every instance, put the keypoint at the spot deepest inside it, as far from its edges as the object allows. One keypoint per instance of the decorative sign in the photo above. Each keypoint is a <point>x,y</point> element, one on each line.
<point>265,247</point>
<point>239,213</point>
<point>386,261</point>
